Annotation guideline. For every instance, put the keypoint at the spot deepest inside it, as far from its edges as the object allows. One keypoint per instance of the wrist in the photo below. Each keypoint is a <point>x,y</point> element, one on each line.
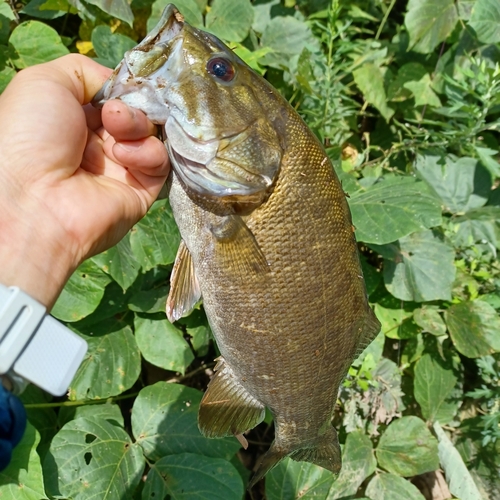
<point>31,254</point>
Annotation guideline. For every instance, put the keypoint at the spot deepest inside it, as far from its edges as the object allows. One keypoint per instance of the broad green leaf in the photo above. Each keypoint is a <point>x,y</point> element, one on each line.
<point>458,477</point>
<point>23,479</point>
<point>111,366</point>
<point>287,37</point>
<point>390,487</point>
<point>162,344</point>
<point>115,8</point>
<point>462,184</point>
<point>479,226</point>
<point>155,238</point>
<point>485,20</point>
<point>82,293</point>
<point>370,80</point>
<point>6,71</point>
<point>35,8</point>
<point>110,46</point>
<point>304,480</point>
<point>396,319</point>
<point>107,411</point>
<point>392,209</point>
<point>35,43</point>
<point>230,19</point>
<point>423,93</point>
<point>474,328</point>
<point>165,422</point>
<point>407,448</point>
<point>434,385</point>
<point>486,156</point>
<point>429,22</point>
<point>186,476</point>
<point>91,458</point>
<point>429,319</point>
<point>119,262</point>
<point>419,267</point>
<point>262,14</point>
<point>409,72</point>
<point>190,9</point>
<point>149,301</point>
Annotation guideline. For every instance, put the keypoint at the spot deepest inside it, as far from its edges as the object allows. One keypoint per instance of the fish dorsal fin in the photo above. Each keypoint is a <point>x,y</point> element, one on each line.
<point>368,331</point>
<point>227,408</point>
<point>236,247</point>
<point>184,287</point>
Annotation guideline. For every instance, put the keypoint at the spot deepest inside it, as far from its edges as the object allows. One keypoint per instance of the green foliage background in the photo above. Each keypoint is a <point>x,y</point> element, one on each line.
<point>405,95</point>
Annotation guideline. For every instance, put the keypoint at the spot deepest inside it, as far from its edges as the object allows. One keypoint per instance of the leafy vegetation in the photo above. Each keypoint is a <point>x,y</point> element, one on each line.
<point>406,98</point>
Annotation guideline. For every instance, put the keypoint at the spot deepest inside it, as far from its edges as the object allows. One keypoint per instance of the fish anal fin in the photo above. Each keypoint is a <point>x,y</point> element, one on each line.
<point>227,408</point>
<point>237,248</point>
<point>184,287</point>
<point>324,451</point>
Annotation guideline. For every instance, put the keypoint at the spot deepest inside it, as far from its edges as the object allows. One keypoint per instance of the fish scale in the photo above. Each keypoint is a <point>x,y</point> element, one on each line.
<point>276,263</point>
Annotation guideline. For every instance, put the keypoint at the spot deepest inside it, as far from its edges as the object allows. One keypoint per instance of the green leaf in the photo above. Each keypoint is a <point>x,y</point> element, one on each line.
<point>107,411</point>
<point>230,19</point>
<point>370,80</point>
<point>479,226</point>
<point>434,385</point>
<point>407,448</point>
<point>172,477</point>
<point>462,185</point>
<point>155,238</point>
<point>162,344</point>
<point>190,9</point>
<point>149,301</point>
<point>423,93</point>
<point>393,208</point>
<point>458,477</point>
<point>110,46</point>
<point>111,366</point>
<point>304,480</point>
<point>429,22</point>
<point>287,37</point>
<point>91,458</point>
<point>82,293</point>
<point>23,479</point>
<point>165,422</point>
<point>485,20</point>
<point>486,157</point>
<point>429,319</point>
<point>119,262</point>
<point>6,71</point>
<point>474,328</point>
<point>35,8</point>
<point>390,487</point>
<point>396,319</point>
<point>35,43</point>
<point>408,73</point>
<point>115,8</point>
<point>419,267</point>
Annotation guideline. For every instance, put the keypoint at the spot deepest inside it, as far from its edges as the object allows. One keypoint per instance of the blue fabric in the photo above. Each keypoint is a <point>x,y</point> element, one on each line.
<point>12,424</point>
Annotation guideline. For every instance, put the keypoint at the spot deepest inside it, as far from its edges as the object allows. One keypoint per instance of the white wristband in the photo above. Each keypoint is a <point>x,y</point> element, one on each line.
<point>36,346</point>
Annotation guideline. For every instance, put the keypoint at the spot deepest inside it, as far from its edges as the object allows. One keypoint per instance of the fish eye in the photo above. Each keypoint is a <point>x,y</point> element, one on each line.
<point>221,68</point>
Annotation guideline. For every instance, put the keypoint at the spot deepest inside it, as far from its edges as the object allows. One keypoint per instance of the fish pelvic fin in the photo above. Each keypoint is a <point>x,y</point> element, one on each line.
<point>323,451</point>
<point>227,408</point>
<point>184,287</point>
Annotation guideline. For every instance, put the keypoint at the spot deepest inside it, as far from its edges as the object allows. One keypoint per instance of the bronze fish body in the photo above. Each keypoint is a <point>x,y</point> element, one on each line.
<point>267,240</point>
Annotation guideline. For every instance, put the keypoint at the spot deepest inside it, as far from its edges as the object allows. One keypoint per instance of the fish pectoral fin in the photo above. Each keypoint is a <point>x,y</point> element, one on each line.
<point>236,246</point>
<point>323,451</point>
<point>368,331</point>
<point>227,408</point>
<point>184,287</point>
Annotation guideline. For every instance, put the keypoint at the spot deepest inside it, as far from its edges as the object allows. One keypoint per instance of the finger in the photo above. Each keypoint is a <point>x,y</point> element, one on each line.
<point>125,123</point>
<point>144,154</point>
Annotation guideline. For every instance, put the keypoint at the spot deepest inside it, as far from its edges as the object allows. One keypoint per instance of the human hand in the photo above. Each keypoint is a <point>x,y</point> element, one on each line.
<point>69,186</point>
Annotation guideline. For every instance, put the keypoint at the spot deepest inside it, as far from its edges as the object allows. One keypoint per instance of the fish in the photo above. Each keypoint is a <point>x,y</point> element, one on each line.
<point>267,240</point>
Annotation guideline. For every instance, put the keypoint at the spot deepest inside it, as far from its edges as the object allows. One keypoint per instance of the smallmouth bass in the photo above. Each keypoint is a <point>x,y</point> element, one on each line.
<point>267,240</point>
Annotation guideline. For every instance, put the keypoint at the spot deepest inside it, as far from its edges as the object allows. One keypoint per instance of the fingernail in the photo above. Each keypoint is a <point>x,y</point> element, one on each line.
<point>131,146</point>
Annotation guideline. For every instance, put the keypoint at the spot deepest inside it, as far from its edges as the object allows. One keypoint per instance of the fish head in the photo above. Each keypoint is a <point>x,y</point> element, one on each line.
<point>221,139</point>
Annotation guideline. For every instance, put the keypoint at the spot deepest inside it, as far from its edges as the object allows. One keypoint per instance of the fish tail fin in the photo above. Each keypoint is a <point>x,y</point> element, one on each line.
<point>323,451</point>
